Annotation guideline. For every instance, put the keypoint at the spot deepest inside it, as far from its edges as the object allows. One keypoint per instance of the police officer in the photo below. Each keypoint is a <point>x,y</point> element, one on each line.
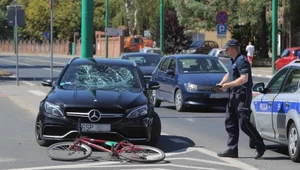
<point>238,81</point>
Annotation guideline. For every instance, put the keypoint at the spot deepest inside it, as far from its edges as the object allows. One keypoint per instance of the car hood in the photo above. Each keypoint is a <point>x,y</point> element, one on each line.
<point>96,99</point>
<point>147,70</point>
<point>202,79</point>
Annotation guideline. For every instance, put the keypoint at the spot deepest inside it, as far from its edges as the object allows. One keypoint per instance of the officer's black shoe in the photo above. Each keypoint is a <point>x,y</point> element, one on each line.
<point>229,153</point>
<point>259,152</point>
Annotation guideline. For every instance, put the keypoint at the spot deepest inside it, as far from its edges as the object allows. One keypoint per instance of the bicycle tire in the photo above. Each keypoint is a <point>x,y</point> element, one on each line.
<point>133,154</point>
<point>66,155</point>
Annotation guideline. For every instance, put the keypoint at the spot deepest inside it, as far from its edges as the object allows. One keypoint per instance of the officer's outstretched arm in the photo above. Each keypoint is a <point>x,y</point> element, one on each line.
<point>225,79</point>
<point>239,81</point>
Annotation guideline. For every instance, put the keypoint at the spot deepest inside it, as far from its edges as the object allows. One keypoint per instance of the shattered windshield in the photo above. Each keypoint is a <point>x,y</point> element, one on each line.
<point>100,77</point>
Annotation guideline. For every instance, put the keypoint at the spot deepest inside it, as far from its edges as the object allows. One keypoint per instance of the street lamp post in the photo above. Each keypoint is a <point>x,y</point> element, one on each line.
<point>161,25</point>
<point>16,40</point>
<point>51,39</point>
<point>87,24</point>
<point>274,32</point>
<point>106,26</point>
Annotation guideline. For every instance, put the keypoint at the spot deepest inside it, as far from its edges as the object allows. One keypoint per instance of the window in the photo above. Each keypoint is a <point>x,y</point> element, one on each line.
<point>275,84</point>
<point>164,64</point>
<point>285,53</point>
<point>172,64</point>
<point>292,82</point>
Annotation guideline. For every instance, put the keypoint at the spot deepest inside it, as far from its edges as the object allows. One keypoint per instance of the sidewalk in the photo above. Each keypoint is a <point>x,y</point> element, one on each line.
<point>265,72</point>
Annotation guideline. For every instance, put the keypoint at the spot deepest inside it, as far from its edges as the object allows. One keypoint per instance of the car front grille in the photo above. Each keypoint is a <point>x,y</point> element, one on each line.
<point>106,118</point>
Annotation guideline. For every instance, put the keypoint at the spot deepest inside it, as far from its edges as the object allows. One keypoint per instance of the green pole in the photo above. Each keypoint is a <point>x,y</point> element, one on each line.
<point>274,32</point>
<point>106,26</point>
<point>161,25</point>
<point>87,24</point>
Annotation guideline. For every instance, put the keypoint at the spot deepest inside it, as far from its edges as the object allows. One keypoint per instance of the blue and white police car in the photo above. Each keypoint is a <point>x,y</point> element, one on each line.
<point>276,110</point>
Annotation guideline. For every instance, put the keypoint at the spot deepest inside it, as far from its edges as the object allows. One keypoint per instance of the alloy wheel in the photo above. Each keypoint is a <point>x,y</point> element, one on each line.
<point>293,140</point>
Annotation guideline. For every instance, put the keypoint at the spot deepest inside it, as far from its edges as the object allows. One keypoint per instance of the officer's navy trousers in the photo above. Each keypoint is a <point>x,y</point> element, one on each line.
<point>238,113</point>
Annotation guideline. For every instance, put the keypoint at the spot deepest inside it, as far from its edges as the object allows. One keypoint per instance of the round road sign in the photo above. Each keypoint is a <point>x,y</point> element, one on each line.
<point>222,17</point>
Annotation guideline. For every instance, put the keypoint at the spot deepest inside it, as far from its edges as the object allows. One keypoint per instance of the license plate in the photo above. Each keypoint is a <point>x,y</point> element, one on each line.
<point>87,127</point>
<point>218,95</point>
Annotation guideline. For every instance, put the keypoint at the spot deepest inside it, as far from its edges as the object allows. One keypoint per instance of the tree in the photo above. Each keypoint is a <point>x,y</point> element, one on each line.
<point>246,18</point>
<point>174,38</point>
<point>6,31</point>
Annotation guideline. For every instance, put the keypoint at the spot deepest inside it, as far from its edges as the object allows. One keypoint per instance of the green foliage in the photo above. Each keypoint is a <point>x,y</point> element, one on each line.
<point>174,38</point>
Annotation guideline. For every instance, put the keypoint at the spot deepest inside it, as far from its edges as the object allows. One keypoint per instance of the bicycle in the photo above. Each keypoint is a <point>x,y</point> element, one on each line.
<point>81,149</point>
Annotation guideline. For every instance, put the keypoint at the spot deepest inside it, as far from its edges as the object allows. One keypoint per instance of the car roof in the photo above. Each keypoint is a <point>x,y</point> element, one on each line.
<point>112,61</point>
<point>293,48</point>
<point>139,53</point>
<point>294,63</point>
<point>180,56</point>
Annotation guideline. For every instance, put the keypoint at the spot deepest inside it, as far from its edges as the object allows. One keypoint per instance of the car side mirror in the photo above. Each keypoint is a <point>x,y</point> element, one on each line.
<point>153,85</point>
<point>170,72</point>
<point>47,82</point>
<point>259,87</point>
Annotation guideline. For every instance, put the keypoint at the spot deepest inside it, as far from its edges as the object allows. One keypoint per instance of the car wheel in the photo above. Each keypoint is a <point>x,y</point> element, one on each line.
<point>294,146</point>
<point>38,134</point>
<point>156,130</point>
<point>179,101</point>
<point>156,102</point>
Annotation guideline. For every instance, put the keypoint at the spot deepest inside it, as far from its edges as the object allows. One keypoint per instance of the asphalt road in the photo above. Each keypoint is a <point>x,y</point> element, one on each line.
<point>190,139</point>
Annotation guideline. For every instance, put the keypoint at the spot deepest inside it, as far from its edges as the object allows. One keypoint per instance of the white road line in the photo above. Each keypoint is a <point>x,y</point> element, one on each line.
<point>52,69</point>
<point>231,161</point>
<point>28,83</point>
<point>7,159</point>
<point>37,92</point>
<point>190,119</point>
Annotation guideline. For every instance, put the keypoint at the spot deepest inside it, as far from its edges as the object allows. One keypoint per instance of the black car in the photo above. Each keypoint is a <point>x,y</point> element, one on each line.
<point>110,97</point>
<point>146,61</point>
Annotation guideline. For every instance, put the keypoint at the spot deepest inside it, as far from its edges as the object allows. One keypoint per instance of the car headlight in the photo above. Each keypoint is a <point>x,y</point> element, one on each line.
<point>53,109</point>
<point>191,87</point>
<point>138,112</point>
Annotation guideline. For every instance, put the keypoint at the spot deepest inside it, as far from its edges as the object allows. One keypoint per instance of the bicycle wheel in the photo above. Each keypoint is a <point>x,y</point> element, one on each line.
<point>142,153</point>
<point>63,152</point>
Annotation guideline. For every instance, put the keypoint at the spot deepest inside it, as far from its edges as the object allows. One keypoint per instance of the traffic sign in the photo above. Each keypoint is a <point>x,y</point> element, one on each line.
<point>221,31</point>
<point>46,35</point>
<point>222,17</point>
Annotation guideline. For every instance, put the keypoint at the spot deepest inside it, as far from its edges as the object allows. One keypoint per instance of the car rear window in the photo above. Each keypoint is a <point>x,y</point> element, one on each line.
<point>201,65</point>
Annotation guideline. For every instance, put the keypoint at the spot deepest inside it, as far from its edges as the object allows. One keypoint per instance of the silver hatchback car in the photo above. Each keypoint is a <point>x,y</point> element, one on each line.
<point>276,110</point>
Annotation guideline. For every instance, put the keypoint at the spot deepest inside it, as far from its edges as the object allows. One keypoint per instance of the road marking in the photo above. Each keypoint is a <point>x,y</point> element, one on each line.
<point>37,92</point>
<point>28,83</point>
<point>190,119</point>
<point>2,95</point>
<point>52,69</point>
<point>231,161</point>
<point>7,159</point>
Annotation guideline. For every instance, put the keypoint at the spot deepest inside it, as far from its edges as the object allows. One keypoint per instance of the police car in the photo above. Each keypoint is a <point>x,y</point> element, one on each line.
<point>276,110</point>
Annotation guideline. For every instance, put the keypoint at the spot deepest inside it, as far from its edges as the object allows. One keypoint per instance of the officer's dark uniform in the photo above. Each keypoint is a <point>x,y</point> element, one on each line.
<point>238,108</point>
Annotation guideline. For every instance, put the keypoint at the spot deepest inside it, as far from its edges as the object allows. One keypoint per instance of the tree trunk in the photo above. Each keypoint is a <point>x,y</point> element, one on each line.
<point>263,34</point>
<point>127,10</point>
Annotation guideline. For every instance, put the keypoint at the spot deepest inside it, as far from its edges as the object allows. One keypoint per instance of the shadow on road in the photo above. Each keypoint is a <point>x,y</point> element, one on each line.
<point>174,143</point>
